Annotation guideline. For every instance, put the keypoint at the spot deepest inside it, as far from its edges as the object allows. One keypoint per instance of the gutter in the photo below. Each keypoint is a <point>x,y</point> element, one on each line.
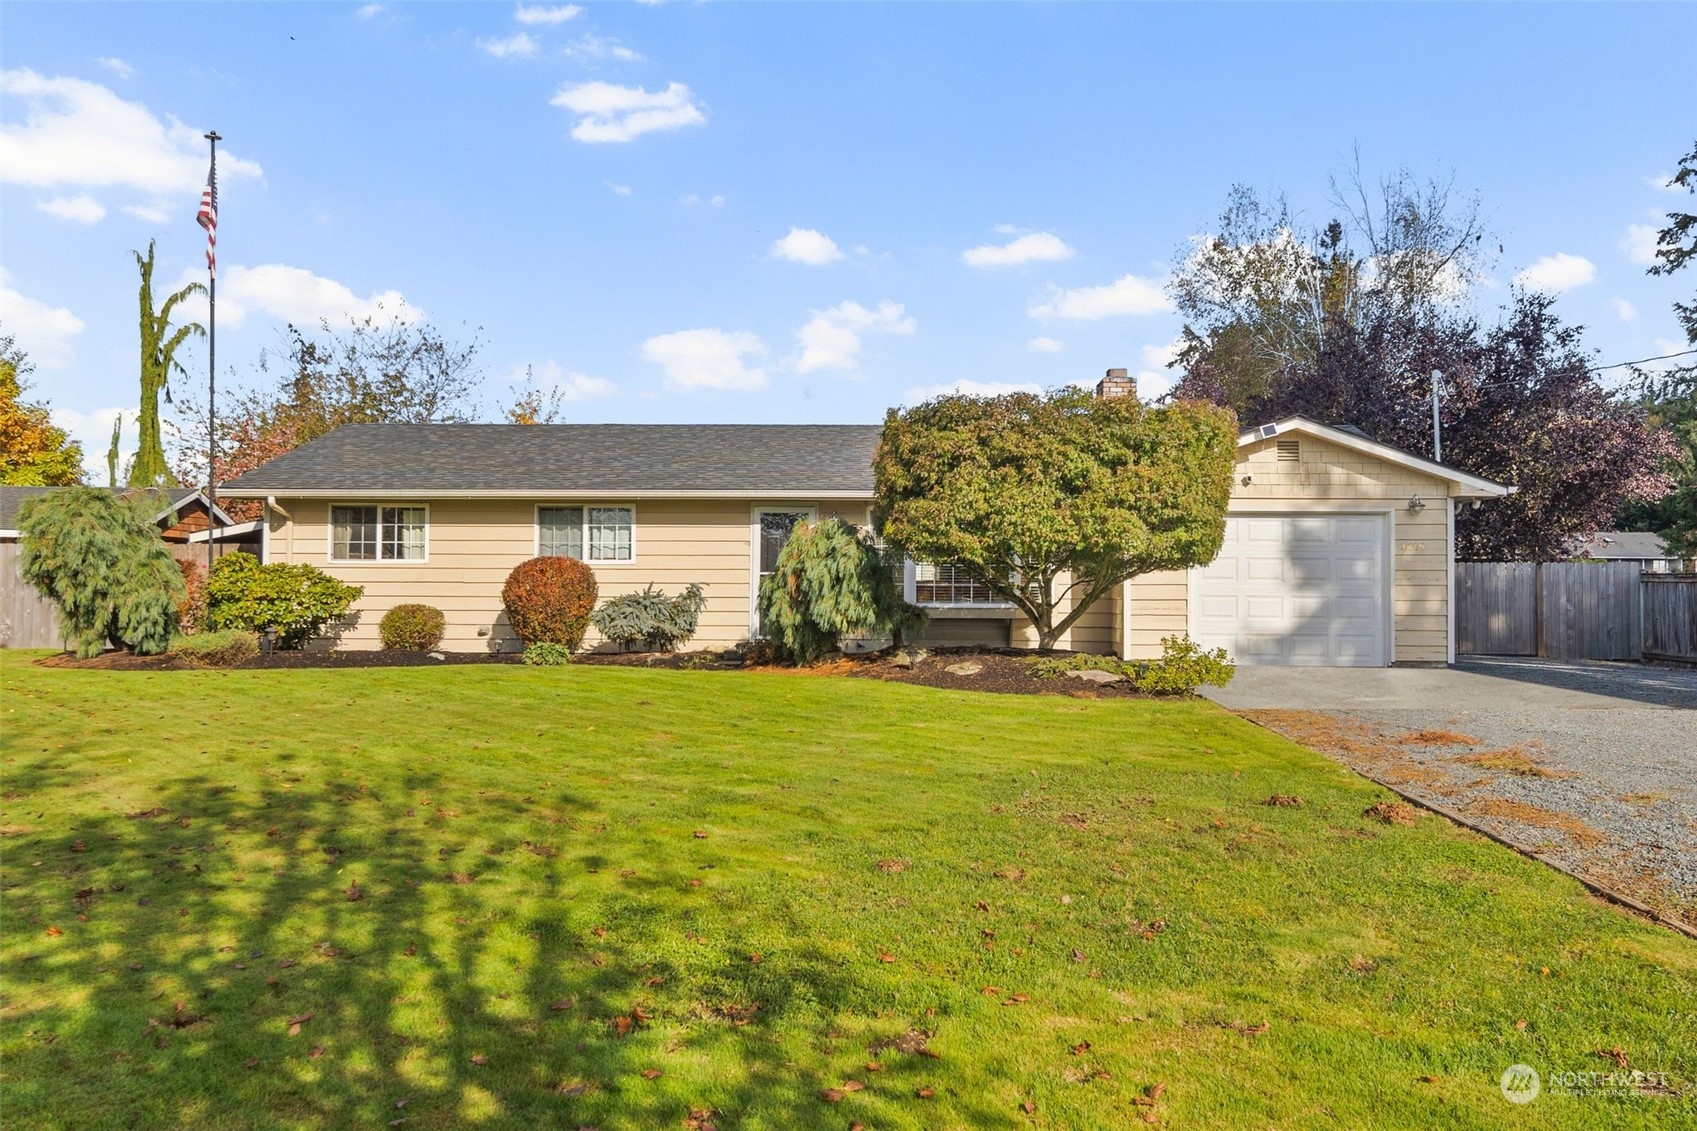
<point>541,495</point>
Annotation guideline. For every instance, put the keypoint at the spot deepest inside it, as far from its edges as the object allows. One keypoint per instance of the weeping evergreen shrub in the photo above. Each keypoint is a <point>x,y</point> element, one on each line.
<point>831,581</point>
<point>98,556</point>
<point>651,618</point>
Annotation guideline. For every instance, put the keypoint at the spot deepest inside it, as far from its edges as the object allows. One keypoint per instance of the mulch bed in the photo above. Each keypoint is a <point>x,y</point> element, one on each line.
<point>1002,671</point>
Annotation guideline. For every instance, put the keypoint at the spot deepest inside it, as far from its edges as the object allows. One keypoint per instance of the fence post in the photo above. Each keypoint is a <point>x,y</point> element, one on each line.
<point>1538,609</point>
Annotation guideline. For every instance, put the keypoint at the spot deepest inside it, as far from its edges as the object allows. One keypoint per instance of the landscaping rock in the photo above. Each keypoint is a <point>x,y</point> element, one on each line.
<point>437,656</point>
<point>1097,677</point>
<point>967,667</point>
<point>907,657</point>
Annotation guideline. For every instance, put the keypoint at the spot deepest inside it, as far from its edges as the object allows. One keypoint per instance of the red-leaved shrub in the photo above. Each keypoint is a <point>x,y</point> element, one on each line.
<point>191,611</point>
<point>549,600</point>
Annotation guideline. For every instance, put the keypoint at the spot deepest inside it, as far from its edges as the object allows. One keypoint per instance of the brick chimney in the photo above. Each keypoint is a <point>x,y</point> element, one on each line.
<point>1118,383</point>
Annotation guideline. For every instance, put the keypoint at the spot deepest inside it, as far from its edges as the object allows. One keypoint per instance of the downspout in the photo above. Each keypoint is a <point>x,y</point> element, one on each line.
<point>289,524</point>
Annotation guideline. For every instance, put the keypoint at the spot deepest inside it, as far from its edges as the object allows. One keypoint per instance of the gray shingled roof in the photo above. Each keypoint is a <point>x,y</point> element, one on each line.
<point>11,498</point>
<point>1628,545</point>
<point>688,458</point>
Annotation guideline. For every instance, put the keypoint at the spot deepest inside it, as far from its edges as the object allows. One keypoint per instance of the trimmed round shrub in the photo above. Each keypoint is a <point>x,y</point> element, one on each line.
<point>549,600</point>
<point>412,628</point>
<point>226,649</point>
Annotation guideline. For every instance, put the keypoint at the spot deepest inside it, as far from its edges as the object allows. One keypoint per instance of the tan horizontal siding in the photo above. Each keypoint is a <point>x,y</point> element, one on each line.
<point>474,544</point>
<point>1326,478</point>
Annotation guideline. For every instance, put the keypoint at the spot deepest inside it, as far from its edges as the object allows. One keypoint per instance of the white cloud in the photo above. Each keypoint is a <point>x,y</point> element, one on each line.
<point>93,430</point>
<point>707,359</point>
<point>968,388</point>
<point>807,245</point>
<point>596,47</point>
<point>292,294</point>
<point>79,209</point>
<point>516,46</point>
<point>547,13</point>
<point>618,189</point>
<point>1030,248</point>
<point>1639,243</point>
<point>608,112</point>
<point>694,198</point>
<point>116,65</point>
<point>1126,295</point>
<point>1624,310</point>
<point>157,213</point>
<point>42,331</point>
<point>370,12</point>
<point>1663,182</point>
<point>75,132</point>
<point>831,338</point>
<point>1557,273</point>
<point>1161,356</point>
<point>570,385</point>
<point>1045,345</point>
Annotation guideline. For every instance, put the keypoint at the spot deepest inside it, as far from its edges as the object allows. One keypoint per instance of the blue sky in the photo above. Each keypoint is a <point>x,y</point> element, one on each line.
<point>757,212</point>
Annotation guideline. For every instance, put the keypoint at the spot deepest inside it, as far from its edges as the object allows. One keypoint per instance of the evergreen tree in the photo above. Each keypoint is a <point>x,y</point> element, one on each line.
<point>159,344</point>
<point>832,581</point>
<point>98,556</point>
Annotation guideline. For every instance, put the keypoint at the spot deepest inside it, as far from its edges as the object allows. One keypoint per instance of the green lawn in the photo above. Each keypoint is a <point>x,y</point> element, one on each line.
<point>467,884</point>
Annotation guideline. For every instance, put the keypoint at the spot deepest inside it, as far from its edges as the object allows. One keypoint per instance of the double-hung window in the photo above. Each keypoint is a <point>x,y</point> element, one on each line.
<point>375,533</point>
<point>590,534</point>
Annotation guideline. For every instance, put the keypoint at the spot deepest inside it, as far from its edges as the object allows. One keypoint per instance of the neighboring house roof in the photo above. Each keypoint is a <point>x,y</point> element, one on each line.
<point>169,499</point>
<point>633,460</point>
<point>1627,545</point>
<point>1466,483</point>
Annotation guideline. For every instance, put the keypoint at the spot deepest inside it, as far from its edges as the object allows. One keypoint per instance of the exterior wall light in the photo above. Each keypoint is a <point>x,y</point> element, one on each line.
<point>1416,504</point>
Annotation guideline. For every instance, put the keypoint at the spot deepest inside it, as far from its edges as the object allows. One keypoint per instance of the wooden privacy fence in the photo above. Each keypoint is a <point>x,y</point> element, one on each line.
<point>1575,611</point>
<point>1670,616</point>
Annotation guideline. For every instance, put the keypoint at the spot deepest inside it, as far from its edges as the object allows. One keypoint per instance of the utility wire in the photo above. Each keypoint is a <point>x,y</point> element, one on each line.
<point>1642,360</point>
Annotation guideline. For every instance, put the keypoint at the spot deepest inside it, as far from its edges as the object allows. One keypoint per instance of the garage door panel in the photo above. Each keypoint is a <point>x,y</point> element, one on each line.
<point>1295,589</point>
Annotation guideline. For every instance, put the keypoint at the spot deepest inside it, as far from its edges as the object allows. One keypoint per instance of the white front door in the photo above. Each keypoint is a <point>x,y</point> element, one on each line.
<point>1305,589</point>
<point>768,533</point>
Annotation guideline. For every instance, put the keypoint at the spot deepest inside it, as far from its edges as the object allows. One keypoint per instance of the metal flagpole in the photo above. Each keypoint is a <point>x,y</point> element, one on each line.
<point>212,367</point>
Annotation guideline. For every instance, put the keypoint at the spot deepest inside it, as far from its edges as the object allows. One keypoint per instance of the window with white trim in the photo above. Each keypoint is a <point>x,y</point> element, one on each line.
<point>374,533</point>
<point>590,534</point>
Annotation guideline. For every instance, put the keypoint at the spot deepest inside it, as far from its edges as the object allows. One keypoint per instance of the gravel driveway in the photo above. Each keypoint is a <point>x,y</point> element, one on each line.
<point>1592,764</point>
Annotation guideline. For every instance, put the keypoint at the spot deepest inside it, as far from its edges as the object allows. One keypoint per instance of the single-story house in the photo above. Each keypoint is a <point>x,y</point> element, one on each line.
<point>1646,549</point>
<point>1339,550</point>
<point>185,517</point>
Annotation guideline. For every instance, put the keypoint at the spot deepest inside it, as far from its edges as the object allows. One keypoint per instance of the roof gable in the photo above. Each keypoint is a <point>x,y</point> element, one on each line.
<point>1464,484</point>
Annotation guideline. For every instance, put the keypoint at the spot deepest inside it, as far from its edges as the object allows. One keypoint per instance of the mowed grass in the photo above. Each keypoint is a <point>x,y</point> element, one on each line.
<point>619,898</point>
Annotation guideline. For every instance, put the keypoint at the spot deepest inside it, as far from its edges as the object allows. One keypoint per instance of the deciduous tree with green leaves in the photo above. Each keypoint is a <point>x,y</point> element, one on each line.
<point>98,556</point>
<point>1050,501</point>
<point>159,345</point>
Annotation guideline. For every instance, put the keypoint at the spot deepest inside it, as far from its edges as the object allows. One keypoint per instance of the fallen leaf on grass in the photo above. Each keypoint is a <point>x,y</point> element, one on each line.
<point>251,1062</point>
<point>354,892</point>
<point>54,932</point>
<point>285,963</point>
<point>874,1066</point>
<point>561,1006</point>
<point>316,1052</point>
<point>885,956</point>
<point>1155,1091</point>
<point>1429,1079</point>
<point>1016,999</point>
<point>655,981</point>
<point>1151,929</point>
<point>925,1093</point>
<point>651,1074</point>
<point>1362,965</point>
<point>78,846</point>
<point>297,1021</point>
<point>700,834</point>
<point>1284,801</point>
<point>574,1088</point>
<point>479,1059</point>
<point>1077,955</point>
<point>1081,1048</point>
<point>1029,1107</point>
<point>1617,1055</point>
<point>892,866</point>
<point>853,1086</point>
<point>831,1095</point>
<point>1247,1030</point>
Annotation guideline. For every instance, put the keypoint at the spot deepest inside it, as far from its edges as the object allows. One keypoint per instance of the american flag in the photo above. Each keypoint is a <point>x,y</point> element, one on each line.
<point>208,217</point>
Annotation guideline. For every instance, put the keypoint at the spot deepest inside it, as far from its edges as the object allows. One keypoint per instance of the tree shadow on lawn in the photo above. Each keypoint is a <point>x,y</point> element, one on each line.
<point>325,953</point>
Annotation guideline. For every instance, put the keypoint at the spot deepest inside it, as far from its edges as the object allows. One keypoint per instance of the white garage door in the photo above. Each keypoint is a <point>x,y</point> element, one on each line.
<point>1295,589</point>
